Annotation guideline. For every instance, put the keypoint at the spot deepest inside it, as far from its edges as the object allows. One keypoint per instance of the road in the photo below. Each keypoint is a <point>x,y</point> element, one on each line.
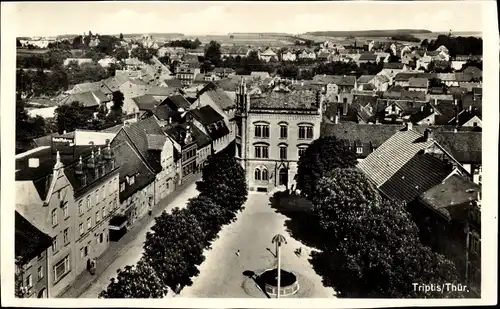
<point>221,274</point>
<point>133,251</point>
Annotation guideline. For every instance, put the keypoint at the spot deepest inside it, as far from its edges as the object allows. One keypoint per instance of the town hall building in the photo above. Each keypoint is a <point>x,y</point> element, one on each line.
<point>273,130</point>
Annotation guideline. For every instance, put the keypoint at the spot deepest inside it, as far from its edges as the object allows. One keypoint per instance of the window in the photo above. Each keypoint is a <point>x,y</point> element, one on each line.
<point>257,174</point>
<point>81,229</point>
<point>475,243</point>
<point>89,205</point>
<point>80,208</point>
<point>65,211</point>
<point>54,244</point>
<point>89,223</point>
<point>262,131</point>
<point>393,108</point>
<point>97,196</point>
<point>262,151</point>
<point>359,150</point>
<point>61,268</point>
<point>265,175</point>
<point>283,131</point>
<point>305,132</point>
<point>101,238</point>
<point>283,152</point>
<point>132,180</point>
<point>65,236</point>
<point>97,216</point>
<point>302,151</point>
<point>54,217</point>
<point>82,253</point>
<point>40,272</point>
<point>122,187</point>
<point>29,281</point>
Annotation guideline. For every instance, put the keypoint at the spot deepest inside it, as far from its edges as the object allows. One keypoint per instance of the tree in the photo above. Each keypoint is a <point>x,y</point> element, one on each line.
<point>210,215</point>
<point>121,36</point>
<point>174,247</point>
<point>213,53</point>
<point>120,53</point>
<point>224,180</point>
<point>18,43</point>
<point>71,117</point>
<point>27,127</point>
<point>424,43</point>
<point>375,239</point>
<point>322,156</point>
<point>140,281</point>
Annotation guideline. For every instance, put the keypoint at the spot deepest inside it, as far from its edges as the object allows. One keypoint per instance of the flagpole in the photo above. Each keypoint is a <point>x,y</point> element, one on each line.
<point>279,271</point>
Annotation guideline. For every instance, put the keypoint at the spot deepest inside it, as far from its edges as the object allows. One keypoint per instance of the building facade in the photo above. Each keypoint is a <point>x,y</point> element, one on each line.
<point>272,132</point>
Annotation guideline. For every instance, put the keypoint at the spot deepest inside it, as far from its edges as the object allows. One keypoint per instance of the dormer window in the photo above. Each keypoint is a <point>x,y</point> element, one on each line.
<point>359,149</point>
<point>132,180</point>
<point>122,187</point>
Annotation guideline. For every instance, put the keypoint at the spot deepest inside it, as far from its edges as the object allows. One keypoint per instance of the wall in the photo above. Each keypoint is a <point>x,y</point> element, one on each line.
<point>274,141</point>
<point>164,181</point>
<point>39,285</point>
<point>104,200</point>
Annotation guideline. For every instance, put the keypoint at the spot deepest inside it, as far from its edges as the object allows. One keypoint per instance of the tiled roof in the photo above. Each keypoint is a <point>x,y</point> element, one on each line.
<point>416,82</point>
<point>447,110</point>
<point>174,83</point>
<point>86,87</point>
<point>464,146</point>
<point>178,132</point>
<point>160,91</point>
<point>363,79</point>
<point>298,100</point>
<point>206,115</point>
<point>156,141</point>
<point>131,164</point>
<point>164,112</point>
<point>392,155</point>
<point>367,133</point>
<point>146,102</point>
<point>220,98</point>
<point>29,242</point>
<point>175,102</point>
<point>413,95</point>
<point>368,57</point>
<point>464,116</point>
<point>454,191</point>
<point>393,65</point>
<point>135,133</point>
<point>405,76</point>
<point>87,99</point>
<point>463,77</point>
<point>417,175</point>
<point>202,140</point>
<point>473,71</point>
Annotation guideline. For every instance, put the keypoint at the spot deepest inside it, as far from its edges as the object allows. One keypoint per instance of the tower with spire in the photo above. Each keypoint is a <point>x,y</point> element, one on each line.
<point>242,108</point>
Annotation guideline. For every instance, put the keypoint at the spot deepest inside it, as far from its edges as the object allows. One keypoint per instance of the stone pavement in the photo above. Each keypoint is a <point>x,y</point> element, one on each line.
<point>85,279</point>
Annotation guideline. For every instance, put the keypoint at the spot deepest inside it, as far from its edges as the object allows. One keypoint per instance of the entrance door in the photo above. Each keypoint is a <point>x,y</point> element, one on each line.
<point>42,293</point>
<point>283,177</point>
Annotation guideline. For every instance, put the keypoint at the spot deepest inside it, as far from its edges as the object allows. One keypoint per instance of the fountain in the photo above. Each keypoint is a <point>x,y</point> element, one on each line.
<point>289,284</point>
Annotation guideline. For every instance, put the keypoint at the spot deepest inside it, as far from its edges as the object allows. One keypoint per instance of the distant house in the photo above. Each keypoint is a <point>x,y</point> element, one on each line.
<point>260,74</point>
<point>469,117</point>
<point>211,123</point>
<point>418,84</point>
<point>368,58</point>
<point>288,56</point>
<point>475,72</point>
<point>106,62</point>
<point>267,55</point>
<point>307,54</point>
<point>186,75</point>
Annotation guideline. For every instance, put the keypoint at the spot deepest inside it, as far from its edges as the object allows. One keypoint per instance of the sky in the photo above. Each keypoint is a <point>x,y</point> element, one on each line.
<point>193,17</point>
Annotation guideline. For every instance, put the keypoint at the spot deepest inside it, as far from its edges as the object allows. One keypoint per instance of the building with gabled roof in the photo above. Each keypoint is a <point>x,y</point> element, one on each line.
<point>408,164</point>
<point>31,246</point>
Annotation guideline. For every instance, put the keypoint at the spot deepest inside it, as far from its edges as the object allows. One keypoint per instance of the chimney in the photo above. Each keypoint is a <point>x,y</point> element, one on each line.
<point>428,135</point>
<point>33,162</point>
<point>409,126</point>
<point>470,108</point>
<point>169,120</point>
<point>64,132</point>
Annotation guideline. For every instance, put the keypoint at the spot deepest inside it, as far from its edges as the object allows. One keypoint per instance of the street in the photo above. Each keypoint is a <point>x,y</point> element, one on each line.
<point>221,274</point>
<point>133,251</point>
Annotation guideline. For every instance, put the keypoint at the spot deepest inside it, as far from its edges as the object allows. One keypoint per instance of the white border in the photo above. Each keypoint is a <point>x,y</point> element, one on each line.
<point>489,214</point>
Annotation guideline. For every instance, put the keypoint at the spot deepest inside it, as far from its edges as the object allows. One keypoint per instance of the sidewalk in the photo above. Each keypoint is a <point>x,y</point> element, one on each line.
<point>85,279</point>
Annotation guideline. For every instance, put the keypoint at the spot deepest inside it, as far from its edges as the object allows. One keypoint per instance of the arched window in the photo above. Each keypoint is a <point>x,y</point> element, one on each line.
<point>257,174</point>
<point>265,175</point>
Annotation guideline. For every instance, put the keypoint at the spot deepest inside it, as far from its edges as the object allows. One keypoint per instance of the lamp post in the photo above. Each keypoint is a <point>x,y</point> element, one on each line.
<point>278,239</point>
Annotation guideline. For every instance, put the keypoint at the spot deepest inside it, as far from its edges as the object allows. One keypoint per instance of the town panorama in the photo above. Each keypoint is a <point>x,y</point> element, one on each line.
<point>249,165</point>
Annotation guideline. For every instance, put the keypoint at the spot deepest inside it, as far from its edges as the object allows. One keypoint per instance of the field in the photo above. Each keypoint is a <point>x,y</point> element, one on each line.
<point>22,52</point>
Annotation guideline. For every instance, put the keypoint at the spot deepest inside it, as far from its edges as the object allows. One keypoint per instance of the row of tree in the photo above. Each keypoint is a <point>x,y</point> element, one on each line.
<point>373,248</point>
<point>174,247</point>
<point>456,45</point>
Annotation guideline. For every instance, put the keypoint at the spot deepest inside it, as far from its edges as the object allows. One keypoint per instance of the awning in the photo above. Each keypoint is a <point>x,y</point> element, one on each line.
<point>118,222</point>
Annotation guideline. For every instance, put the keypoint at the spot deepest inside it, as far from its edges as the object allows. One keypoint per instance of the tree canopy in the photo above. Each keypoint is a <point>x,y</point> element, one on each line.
<point>174,247</point>
<point>322,156</point>
<point>213,53</point>
<point>140,281</point>
<point>458,45</point>
<point>375,241</point>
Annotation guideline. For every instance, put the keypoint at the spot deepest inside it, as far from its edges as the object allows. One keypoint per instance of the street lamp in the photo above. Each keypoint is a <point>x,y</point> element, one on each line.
<point>278,239</point>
